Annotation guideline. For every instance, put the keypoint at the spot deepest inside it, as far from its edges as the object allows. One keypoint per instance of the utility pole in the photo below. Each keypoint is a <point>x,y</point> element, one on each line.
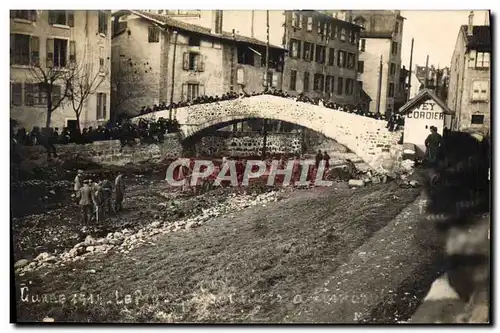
<point>379,92</point>
<point>253,20</point>
<point>426,71</point>
<point>264,127</point>
<point>173,77</point>
<point>409,73</point>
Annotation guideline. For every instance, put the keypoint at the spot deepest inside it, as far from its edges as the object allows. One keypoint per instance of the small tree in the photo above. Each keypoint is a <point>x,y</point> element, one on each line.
<point>83,81</point>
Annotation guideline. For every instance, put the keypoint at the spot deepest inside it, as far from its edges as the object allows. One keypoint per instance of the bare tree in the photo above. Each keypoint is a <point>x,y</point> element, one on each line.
<point>48,80</point>
<point>83,80</point>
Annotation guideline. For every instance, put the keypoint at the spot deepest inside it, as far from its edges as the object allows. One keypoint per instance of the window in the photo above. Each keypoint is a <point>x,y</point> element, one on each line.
<point>16,95</point>
<point>306,81</point>
<point>103,22</point>
<point>392,69</point>
<point>360,21</point>
<point>24,14</point>
<point>352,37</point>
<point>320,54</point>
<point>362,45</point>
<point>324,31</point>
<point>356,39</point>
<point>294,48</point>
<point>341,59</point>
<point>336,32</point>
<point>340,85</point>
<point>394,49</point>
<point>101,106</point>
<point>396,28</point>
<point>350,60</point>
<point>193,61</point>
<point>479,59</point>
<point>480,91</point>
<point>331,57</point>
<point>60,51</point>
<point>349,87</point>
<point>270,77</point>
<point>154,34</point>
<point>193,91</point>
<point>61,17</point>
<point>342,35</point>
<point>329,84</point>
<point>194,41</point>
<point>309,23</point>
<point>320,27</point>
<point>101,59</point>
<point>477,119</point>
<point>361,66</point>
<point>297,20</point>
<point>318,82</point>
<point>20,46</point>
<point>308,51</point>
<point>246,56</point>
<point>391,90</point>
<point>36,95</point>
<point>293,79</point>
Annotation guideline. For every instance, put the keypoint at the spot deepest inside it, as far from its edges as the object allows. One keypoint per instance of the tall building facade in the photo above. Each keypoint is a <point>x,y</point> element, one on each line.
<point>322,59</point>
<point>379,55</point>
<point>470,78</point>
<point>46,43</point>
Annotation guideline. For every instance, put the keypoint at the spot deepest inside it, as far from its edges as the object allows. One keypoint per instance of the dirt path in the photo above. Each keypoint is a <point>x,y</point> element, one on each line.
<point>244,267</point>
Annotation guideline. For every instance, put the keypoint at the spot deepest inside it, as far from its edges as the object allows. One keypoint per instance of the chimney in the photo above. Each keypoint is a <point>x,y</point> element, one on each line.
<point>217,22</point>
<point>471,24</point>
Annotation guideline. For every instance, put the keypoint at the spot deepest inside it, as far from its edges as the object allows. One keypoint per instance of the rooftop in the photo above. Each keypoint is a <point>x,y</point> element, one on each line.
<point>422,97</point>
<point>481,37</point>
<point>188,27</point>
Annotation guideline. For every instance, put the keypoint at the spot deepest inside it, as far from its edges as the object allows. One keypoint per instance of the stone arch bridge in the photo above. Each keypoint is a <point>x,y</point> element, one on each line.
<point>368,138</point>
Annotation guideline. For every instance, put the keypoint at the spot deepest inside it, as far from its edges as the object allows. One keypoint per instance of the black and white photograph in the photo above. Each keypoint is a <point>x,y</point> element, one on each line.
<point>265,166</point>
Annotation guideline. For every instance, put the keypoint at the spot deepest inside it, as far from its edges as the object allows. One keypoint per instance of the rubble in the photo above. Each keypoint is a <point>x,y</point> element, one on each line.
<point>356,182</point>
<point>21,263</point>
<point>126,240</point>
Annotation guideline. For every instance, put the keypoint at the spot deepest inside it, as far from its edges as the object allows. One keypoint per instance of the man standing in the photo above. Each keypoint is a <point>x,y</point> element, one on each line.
<point>432,143</point>
<point>107,191</point>
<point>319,157</point>
<point>119,191</point>
<point>98,200</point>
<point>78,181</point>
<point>84,196</point>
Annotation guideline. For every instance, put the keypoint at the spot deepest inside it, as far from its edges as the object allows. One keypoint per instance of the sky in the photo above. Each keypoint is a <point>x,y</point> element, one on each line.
<point>435,32</point>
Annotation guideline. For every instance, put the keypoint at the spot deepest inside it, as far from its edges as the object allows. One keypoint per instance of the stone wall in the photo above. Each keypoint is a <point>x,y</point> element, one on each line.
<point>110,152</point>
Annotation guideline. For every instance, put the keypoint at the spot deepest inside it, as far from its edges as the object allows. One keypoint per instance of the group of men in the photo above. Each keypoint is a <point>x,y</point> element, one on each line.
<point>95,197</point>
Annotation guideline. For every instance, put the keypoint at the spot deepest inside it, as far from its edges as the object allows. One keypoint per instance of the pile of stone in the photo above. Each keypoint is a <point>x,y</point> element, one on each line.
<point>125,240</point>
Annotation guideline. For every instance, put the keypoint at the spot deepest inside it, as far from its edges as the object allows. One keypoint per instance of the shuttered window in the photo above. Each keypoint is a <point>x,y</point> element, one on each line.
<point>16,94</point>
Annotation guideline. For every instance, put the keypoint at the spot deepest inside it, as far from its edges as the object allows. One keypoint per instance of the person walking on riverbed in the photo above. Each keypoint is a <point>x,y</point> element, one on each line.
<point>84,196</point>
<point>119,192</point>
<point>78,181</point>
<point>432,143</point>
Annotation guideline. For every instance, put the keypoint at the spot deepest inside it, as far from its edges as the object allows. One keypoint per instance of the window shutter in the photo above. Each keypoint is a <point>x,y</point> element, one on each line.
<point>183,92</point>
<point>486,59</point>
<point>72,51</point>
<point>240,76</point>
<point>56,94</point>
<point>28,95</point>
<point>472,58</point>
<point>264,78</point>
<point>50,52</point>
<point>185,58</point>
<point>17,89</point>
<point>98,105</point>
<point>275,79</point>
<point>32,15</point>
<point>201,63</point>
<point>35,50</point>
<point>105,15</point>
<point>301,21</point>
<point>12,14</point>
<point>12,46</point>
<point>71,18</point>
<point>51,17</point>
<point>202,90</point>
<point>298,48</point>
<point>104,106</point>
<point>476,89</point>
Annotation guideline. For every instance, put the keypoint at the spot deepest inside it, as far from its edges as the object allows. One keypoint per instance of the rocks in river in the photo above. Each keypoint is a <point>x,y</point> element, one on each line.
<point>89,240</point>
<point>21,263</point>
<point>42,256</point>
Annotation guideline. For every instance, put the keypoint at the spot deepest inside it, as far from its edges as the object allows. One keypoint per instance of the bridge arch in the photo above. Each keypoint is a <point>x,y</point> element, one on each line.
<point>368,138</point>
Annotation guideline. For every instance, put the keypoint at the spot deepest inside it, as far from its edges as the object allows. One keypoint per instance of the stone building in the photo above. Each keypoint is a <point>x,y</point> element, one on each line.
<point>44,41</point>
<point>379,55</point>
<point>322,59</point>
<point>470,75</point>
<point>153,53</point>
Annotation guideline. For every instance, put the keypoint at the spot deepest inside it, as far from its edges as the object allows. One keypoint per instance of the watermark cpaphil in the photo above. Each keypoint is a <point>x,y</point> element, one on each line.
<point>238,173</point>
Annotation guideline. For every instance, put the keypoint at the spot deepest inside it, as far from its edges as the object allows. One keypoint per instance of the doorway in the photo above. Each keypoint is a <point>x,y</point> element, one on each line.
<point>72,125</point>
